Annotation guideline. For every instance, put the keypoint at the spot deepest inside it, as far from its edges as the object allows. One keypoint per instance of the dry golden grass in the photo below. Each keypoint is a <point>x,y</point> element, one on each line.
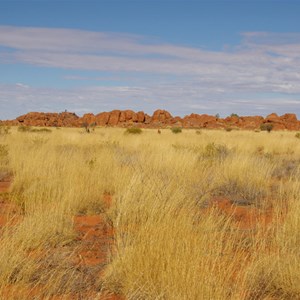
<point>169,244</point>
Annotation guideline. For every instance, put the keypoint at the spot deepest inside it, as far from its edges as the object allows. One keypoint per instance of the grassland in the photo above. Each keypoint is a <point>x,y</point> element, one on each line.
<point>204,214</point>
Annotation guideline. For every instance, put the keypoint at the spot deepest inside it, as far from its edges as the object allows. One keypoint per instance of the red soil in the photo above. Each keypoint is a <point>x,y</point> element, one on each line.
<point>244,217</point>
<point>91,251</point>
<point>96,237</point>
<point>9,212</point>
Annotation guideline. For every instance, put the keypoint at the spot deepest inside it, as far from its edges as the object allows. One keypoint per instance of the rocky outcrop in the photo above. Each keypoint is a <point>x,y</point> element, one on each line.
<point>64,119</point>
<point>102,118</point>
<point>159,119</point>
<point>201,121</point>
<point>286,121</point>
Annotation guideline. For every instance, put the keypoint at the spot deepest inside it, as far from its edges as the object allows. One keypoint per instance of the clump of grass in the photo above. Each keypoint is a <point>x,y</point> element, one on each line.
<point>4,130</point>
<point>47,130</point>
<point>176,130</point>
<point>23,128</point>
<point>215,151</point>
<point>3,151</point>
<point>133,130</point>
<point>297,135</point>
<point>266,127</point>
<point>167,245</point>
<point>228,129</point>
<point>198,132</point>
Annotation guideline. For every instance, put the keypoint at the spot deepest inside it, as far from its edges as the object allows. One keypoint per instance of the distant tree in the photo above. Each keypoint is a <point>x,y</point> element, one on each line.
<point>217,116</point>
<point>234,115</point>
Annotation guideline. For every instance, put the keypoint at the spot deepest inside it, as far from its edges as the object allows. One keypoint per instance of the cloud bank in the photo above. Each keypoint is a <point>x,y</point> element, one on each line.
<point>259,75</point>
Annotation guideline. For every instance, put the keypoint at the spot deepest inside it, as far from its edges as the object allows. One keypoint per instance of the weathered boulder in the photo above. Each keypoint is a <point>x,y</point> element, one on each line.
<point>140,117</point>
<point>102,118</point>
<point>65,119</point>
<point>202,121</point>
<point>87,119</point>
<point>273,118</point>
<point>290,121</point>
<point>251,122</point>
<point>161,117</point>
<point>114,117</point>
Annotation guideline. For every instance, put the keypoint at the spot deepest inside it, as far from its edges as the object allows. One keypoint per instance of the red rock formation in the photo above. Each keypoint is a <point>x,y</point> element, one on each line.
<point>102,118</point>
<point>48,119</point>
<point>251,122</point>
<point>200,121</point>
<point>160,118</point>
<point>87,119</point>
<point>140,117</point>
<point>114,118</point>
<point>290,121</point>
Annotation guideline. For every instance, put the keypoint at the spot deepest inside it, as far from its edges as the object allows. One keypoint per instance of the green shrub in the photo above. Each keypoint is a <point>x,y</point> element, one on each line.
<point>23,128</point>
<point>234,115</point>
<point>297,135</point>
<point>40,130</point>
<point>133,130</point>
<point>266,127</point>
<point>176,130</point>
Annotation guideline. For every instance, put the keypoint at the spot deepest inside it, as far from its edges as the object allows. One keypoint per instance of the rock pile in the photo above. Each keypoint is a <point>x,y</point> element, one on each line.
<point>159,119</point>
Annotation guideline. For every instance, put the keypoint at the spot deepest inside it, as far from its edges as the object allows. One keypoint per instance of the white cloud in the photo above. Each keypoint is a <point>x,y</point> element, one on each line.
<point>179,100</point>
<point>264,63</point>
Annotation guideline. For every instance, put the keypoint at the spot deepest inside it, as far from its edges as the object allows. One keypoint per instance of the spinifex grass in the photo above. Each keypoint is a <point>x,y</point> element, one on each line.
<point>170,243</point>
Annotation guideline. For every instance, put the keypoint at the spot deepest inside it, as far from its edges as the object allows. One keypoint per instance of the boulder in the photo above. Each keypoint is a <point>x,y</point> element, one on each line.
<point>102,118</point>
<point>200,121</point>
<point>114,117</point>
<point>140,117</point>
<point>65,119</point>
<point>161,117</point>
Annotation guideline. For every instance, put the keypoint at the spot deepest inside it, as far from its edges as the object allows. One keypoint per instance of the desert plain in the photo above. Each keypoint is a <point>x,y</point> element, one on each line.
<point>120,213</point>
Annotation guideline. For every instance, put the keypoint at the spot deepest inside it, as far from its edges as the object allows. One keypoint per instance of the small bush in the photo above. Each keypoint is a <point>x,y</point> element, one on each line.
<point>234,115</point>
<point>266,127</point>
<point>228,129</point>
<point>23,128</point>
<point>133,130</point>
<point>215,151</point>
<point>40,130</point>
<point>30,129</point>
<point>4,129</point>
<point>198,132</point>
<point>297,135</point>
<point>176,130</point>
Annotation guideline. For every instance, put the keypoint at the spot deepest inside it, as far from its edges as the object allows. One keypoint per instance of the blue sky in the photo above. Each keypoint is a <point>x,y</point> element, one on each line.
<point>184,56</point>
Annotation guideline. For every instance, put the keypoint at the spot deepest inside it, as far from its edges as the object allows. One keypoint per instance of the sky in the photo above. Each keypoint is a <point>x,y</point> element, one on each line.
<point>185,56</point>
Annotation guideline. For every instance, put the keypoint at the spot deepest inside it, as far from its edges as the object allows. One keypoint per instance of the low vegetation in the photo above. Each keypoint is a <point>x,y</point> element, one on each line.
<point>133,130</point>
<point>35,129</point>
<point>176,130</point>
<point>212,216</point>
<point>266,127</point>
